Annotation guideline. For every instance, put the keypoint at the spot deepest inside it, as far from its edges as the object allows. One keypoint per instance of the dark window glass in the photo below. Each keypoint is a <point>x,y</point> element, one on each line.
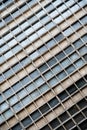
<point>71,89</point>
<point>35,115</point>
<point>26,121</point>
<point>69,124</point>
<point>82,103</point>
<point>64,117</point>
<point>63,95</point>
<point>80,83</point>
<point>60,128</point>
<point>78,118</point>
<point>46,128</point>
<point>85,112</point>
<point>73,110</point>
<point>69,50</point>
<point>44,108</point>
<point>54,123</point>
<point>83,125</point>
<point>75,128</point>
<point>17,127</point>
<point>86,77</point>
<point>60,55</point>
<point>53,102</point>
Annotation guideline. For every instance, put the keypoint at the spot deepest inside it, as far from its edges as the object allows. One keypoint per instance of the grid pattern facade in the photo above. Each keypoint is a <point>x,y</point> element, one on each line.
<point>43,64</point>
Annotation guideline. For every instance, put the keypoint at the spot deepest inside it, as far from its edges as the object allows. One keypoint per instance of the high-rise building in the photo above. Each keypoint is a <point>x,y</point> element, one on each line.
<point>43,64</point>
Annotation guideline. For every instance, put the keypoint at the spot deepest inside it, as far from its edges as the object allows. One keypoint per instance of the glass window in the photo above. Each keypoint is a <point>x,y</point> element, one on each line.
<point>52,61</point>
<point>78,43</point>
<point>8,92</point>
<point>17,86</point>
<point>59,37</point>
<point>53,82</point>
<point>73,110</point>
<point>66,62</point>
<point>84,38</point>
<point>62,75</point>
<point>85,57</point>
<point>83,50</point>
<point>48,75</point>
<point>60,55</point>
<point>35,115</point>
<point>50,43</point>
<point>8,18</point>
<point>42,49</point>
<point>8,73</point>
<point>53,102</point>
<point>44,108</point>
<point>64,116</point>
<point>69,124</point>
<point>54,123</point>
<point>63,95</point>
<point>79,63</point>
<point>1,98</point>
<point>17,127</point>
<point>34,55</point>
<point>34,74</point>
<point>81,83</point>
<point>74,56</point>
<point>17,107</point>
<point>22,93</point>
<point>44,88</point>
<point>13,100</point>
<point>1,119</point>
<point>46,128</point>
<point>56,69</point>
<point>85,112</point>
<point>69,49</point>
<point>83,125</point>
<point>26,122</point>
<point>71,89</point>
<point>82,103</point>
<point>25,80</point>
<point>35,94</point>
<point>70,69</point>
<point>3,106</point>
<point>78,118</point>
<point>39,81</point>
<point>76,25</point>
<point>26,100</point>
<point>30,87</point>
<point>43,67</point>
<point>8,114</point>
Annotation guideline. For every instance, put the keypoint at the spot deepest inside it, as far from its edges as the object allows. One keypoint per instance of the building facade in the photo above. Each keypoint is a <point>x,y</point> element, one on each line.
<point>43,65</point>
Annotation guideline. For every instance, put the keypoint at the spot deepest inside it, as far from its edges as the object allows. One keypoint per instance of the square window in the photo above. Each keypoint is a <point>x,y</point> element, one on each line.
<point>35,115</point>
<point>17,127</point>
<point>52,61</point>
<point>43,68</point>
<point>82,103</point>
<point>81,83</point>
<point>60,56</point>
<point>69,124</point>
<point>63,95</point>
<point>71,89</point>
<point>44,108</point>
<point>54,123</point>
<point>53,102</point>
<point>78,118</point>
<point>64,117</point>
<point>83,125</point>
<point>26,122</point>
<point>73,110</point>
<point>69,50</point>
